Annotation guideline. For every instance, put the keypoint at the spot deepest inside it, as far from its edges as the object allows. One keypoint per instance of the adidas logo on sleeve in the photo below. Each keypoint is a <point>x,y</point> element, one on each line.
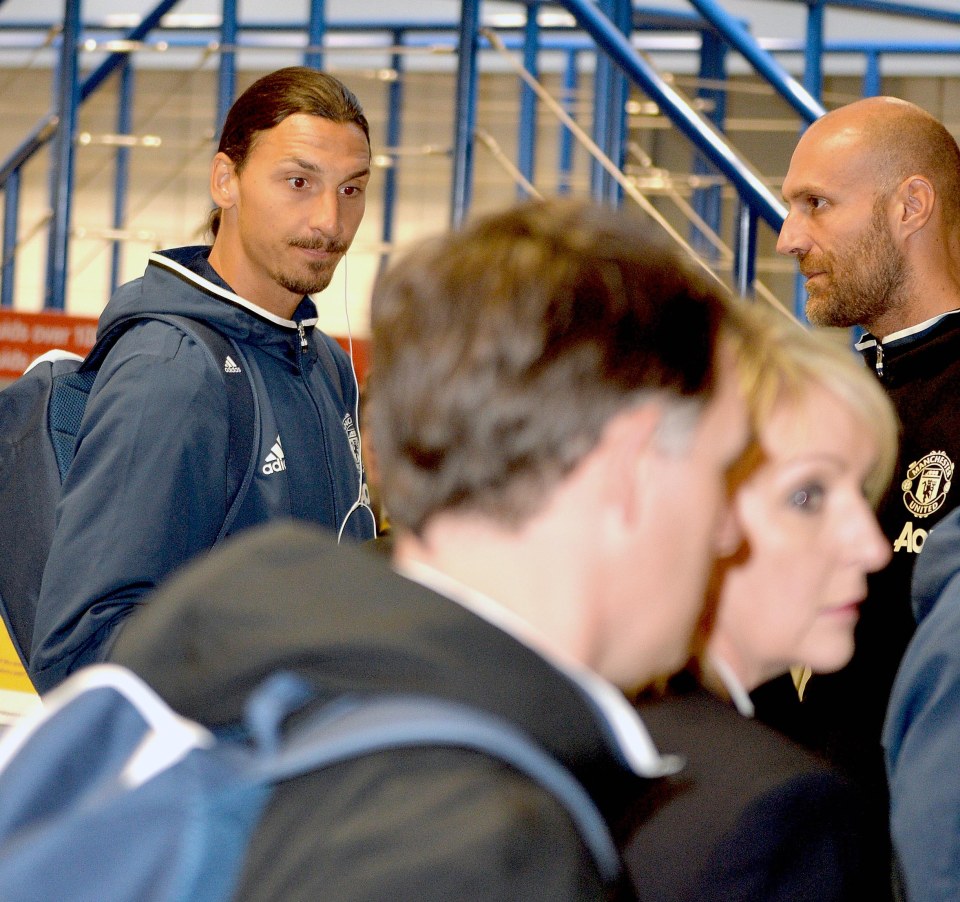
<point>230,365</point>
<point>274,462</point>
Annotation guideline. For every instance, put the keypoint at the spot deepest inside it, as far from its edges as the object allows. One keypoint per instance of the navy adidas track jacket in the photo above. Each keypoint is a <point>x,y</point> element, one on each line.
<point>147,489</point>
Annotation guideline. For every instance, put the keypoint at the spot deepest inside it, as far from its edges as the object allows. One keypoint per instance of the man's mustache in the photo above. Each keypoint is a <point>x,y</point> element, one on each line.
<point>808,265</point>
<point>319,244</point>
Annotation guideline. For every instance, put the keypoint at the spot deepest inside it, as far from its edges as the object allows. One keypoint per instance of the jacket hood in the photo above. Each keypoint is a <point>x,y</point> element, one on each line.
<point>937,565</point>
<point>170,286</point>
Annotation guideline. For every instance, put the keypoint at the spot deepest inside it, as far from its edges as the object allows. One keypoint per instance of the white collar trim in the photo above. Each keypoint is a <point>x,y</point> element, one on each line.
<point>207,285</point>
<point>633,739</point>
<point>868,341</point>
<point>735,689</point>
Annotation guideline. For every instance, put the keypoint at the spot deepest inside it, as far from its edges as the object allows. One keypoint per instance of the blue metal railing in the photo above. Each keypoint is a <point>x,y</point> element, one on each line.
<point>60,125</point>
<point>763,63</point>
<point>710,142</point>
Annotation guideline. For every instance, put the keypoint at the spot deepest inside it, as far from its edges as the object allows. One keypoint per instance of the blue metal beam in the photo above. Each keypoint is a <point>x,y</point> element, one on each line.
<point>61,159</point>
<point>11,213</point>
<point>745,257</point>
<point>46,127</point>
<point>872,78</point>
<point>896,9</point>
<point>394,136</point>
<point>644,18</point>
<point>813,52</point>
<point>150,21</point>
<point>604,75</point>
<point>227,73</point>
<point>713,145</point>
<point>465,112</point>
<point>708,201</point>
<point>44,130</point>
<point>122,168</point>
<point>527,128</point>
<point>316,29</point>
<point>616,131</point>
<point>764,63</point>
<point>568,100</point>
<point>422,34</point>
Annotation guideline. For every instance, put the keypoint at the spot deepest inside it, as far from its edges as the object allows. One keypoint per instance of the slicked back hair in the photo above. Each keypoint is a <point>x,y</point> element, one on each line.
<point>271,99</point>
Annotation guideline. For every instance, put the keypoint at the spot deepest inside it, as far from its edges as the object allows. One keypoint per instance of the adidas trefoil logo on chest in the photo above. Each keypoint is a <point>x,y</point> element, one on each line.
<point>274,462</point>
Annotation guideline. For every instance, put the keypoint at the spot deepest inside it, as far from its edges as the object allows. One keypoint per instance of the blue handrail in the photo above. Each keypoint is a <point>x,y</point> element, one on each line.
<point>895,9</point>
<point>710,142</point>
<point>744,43</point>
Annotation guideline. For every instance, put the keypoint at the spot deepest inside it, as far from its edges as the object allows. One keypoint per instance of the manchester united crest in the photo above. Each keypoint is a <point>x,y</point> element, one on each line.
<point>927,483</point>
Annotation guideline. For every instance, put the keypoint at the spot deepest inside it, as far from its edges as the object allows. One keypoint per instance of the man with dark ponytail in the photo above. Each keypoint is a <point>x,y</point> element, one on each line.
<point>148,487</point>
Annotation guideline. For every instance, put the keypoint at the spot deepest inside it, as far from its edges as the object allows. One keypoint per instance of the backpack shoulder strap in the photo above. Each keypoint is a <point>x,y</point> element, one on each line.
<point>69,390</point>
<point>241,398</point>
<point>166,737</point>
<point>244,411</point>
<point>352,727</point>
<point>325,354</point>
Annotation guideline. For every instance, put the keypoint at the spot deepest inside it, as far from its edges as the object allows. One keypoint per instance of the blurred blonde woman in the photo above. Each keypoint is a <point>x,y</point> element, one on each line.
<point>804,494</point>
<point>753,815</point>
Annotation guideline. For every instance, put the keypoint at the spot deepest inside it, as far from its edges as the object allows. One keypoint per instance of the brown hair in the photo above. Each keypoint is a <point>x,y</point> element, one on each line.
<point>501,351</point>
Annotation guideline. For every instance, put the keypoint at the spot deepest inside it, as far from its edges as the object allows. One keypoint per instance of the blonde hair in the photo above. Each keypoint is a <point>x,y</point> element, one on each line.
<point>777,362</point>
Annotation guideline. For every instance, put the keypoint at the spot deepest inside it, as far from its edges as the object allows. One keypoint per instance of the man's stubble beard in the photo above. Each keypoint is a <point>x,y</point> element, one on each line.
<point>319,273</point>
<point>305,285</point>
<point>861,293</point>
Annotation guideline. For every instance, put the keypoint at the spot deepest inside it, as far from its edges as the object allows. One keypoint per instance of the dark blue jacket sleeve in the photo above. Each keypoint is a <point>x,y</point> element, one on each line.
<point>922,743</point>
<point>146,492</point>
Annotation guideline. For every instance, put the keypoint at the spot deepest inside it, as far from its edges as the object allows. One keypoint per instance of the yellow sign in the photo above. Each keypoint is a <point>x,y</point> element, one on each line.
<point>17,695</point>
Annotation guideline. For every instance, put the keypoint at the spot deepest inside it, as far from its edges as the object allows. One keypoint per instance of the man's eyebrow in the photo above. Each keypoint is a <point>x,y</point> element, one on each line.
<point>802,191</point>
<point>313,167</point>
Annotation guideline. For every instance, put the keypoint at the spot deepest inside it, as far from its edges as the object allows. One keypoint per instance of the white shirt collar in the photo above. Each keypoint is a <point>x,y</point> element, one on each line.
<point>633,740</point>
<point>868,340</point>
<point>735,689</point>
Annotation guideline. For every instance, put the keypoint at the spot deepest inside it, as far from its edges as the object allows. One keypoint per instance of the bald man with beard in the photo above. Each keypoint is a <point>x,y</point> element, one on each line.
<point>873,191</point>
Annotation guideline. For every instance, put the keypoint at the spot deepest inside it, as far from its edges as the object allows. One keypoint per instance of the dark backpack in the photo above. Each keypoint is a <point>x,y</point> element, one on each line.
<point>108,794</point>
<point>40,415</point>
